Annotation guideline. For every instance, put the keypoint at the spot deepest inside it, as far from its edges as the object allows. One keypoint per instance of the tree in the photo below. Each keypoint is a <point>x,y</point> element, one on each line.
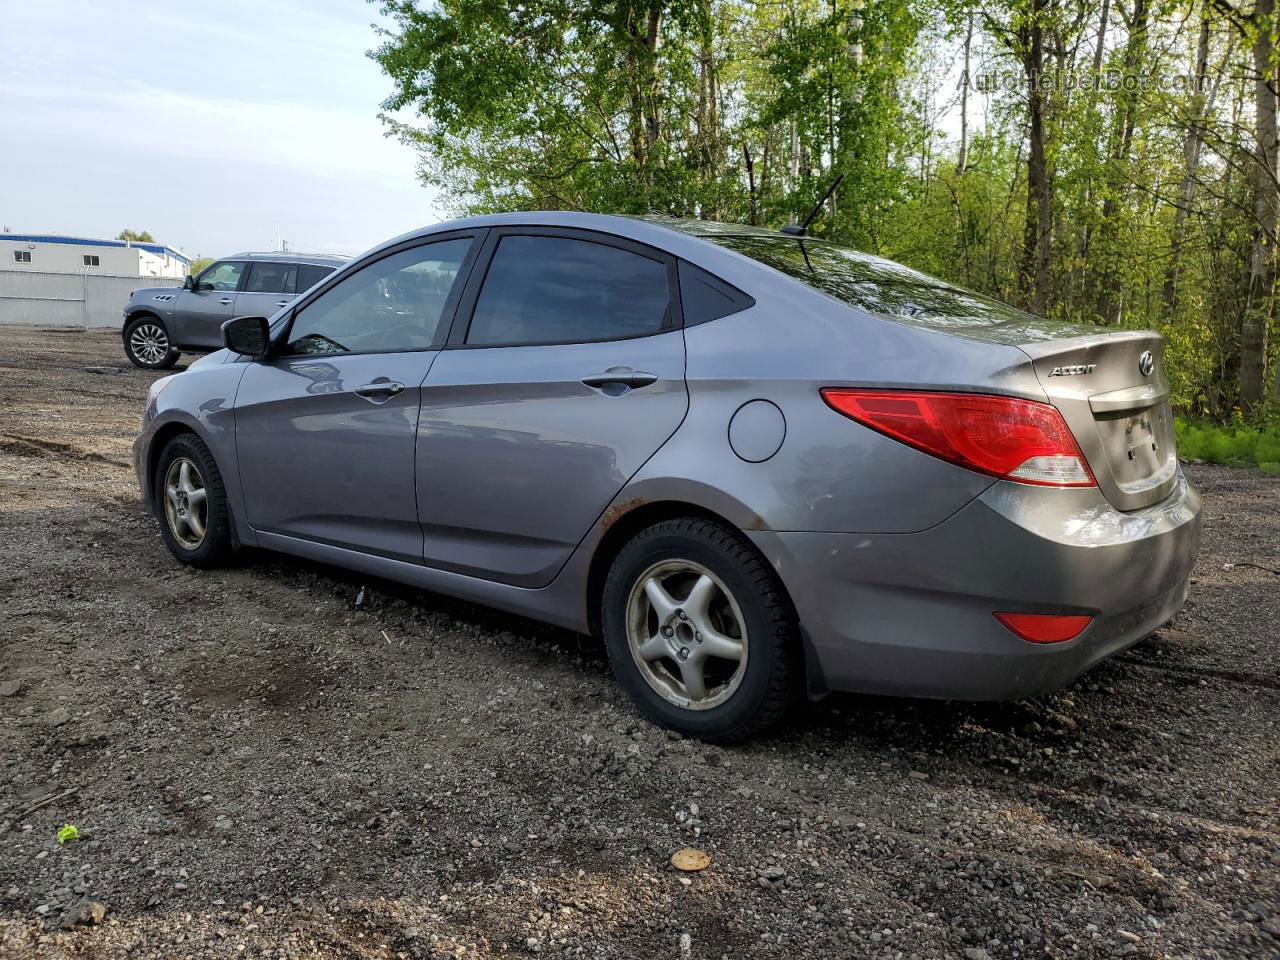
<point>198,264</point>
<point>136,236</point>
<point>1083,185</point>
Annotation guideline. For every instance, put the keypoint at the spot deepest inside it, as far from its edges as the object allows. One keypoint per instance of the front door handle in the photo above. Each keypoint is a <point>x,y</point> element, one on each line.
<point>224,301</point>
<point>621,376</point>
<point>380,391</point>
<point>283,303</point>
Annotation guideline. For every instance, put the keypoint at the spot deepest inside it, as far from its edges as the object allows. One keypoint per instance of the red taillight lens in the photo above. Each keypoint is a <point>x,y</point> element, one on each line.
<point>1004,437</point>
<point>1045,627</point>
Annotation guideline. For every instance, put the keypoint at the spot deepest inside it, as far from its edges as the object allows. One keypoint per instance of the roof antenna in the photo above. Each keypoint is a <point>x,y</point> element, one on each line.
<point>800,229</point>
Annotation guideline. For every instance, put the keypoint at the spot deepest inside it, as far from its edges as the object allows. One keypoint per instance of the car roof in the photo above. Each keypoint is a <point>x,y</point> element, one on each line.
<point>324,259</point>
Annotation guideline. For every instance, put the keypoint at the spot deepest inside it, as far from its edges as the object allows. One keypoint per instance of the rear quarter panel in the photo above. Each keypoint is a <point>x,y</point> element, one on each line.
<point>830,474</point>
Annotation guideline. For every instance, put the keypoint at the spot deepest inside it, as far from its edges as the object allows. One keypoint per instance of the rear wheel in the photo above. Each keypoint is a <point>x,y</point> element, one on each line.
<point>699,631</point>
<point>147,345</point>
<point>192,503</point>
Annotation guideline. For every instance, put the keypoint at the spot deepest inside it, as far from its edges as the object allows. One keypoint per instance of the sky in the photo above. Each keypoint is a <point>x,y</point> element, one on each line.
<point>217,127</point>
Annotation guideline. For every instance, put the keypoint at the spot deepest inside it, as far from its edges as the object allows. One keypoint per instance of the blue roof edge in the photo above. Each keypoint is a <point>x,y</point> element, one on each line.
<point>159,248</point>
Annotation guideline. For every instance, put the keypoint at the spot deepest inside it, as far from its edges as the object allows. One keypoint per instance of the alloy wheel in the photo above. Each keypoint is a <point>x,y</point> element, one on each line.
<point>186,503</point>
<point>687,634</point>
<point>149,342</point>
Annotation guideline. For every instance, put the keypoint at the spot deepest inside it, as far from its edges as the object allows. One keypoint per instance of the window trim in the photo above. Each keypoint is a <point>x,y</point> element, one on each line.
<point>466,308</point>
<point>693,273</point>
<point>280,341</point>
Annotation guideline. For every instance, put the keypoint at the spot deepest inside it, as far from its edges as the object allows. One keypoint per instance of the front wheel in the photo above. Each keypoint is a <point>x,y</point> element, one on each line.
<point>147,345</point>
<point>192,503</point>
<point>700,632</point>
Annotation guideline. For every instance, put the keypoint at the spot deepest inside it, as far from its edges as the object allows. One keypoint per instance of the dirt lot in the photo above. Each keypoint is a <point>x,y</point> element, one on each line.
<point>263,762</point>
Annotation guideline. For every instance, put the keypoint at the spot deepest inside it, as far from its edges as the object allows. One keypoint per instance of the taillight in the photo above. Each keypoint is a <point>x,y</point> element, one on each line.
<point>1004,437</point>
<point>1045,627</point>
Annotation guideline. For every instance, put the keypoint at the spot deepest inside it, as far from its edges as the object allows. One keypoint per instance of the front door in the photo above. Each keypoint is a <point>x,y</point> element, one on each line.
<point>199,313</point>
<point>568,377</point>
<point>325,431</point>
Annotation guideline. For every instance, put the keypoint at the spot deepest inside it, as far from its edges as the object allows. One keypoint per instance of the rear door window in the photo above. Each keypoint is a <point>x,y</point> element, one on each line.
<point>309,274</point>
<point>271,277</point>
<point>555,289</point>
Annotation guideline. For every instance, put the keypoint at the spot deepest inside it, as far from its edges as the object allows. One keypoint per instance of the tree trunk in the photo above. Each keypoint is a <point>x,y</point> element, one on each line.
<point>1110,296</point>
<point>1033,274</point>
<point>643,99</point>
<point>1266,208</point>
<point>1190,167</point>
<point>962,163</point>
<point>1085,236</point>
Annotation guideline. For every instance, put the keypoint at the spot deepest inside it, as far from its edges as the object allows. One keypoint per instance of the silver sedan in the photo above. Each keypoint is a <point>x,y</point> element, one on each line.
<point>761,465</point>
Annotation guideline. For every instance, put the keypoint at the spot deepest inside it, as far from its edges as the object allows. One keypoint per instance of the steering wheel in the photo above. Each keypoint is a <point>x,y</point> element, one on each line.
<point>304,344</point>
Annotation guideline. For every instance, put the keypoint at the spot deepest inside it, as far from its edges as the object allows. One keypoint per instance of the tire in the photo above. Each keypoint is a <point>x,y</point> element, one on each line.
<point>147,344</point>
<point>199,538</point>
<point>726,598</point>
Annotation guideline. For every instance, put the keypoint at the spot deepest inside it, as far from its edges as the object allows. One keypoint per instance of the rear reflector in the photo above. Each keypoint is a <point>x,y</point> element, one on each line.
<point>1045,627</point>
<point>1004,437</point>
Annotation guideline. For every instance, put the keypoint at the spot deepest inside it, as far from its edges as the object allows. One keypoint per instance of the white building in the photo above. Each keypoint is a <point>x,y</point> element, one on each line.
<point>71,281</point>
<point>49,253</point>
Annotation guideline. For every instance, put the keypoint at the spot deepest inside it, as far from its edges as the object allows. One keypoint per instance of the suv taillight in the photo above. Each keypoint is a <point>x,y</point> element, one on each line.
<point>1018,440</point>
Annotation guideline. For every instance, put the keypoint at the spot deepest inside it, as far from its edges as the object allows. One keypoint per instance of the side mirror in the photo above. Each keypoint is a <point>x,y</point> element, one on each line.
<point>188,282</point>
<point>250,336</point>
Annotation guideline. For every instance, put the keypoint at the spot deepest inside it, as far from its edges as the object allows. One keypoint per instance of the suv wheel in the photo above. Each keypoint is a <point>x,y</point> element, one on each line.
<point>146,343</point>
<point>191,503</point>
<point>699,631</point>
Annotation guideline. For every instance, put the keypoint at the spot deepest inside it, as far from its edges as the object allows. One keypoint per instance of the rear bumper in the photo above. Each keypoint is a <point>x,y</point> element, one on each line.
<point>911,614</point>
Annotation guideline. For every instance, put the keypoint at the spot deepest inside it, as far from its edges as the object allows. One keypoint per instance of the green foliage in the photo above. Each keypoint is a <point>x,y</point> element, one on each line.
<point>136,236</point>
<point>198,264</point>
<point>742,111</point>
<point>1236,446</point>
<point>66,834</point>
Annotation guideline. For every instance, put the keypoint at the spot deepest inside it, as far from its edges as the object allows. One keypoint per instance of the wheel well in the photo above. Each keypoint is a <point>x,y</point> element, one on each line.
<point>158,443</point>
<point>617,536</point>
<point>139,314</point>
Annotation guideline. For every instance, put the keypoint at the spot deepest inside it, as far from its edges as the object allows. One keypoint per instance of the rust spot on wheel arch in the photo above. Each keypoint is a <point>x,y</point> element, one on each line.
<point>620,510</point>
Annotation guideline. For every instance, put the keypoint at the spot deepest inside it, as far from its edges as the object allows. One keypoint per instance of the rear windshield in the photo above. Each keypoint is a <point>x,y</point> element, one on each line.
<point>888,289</point>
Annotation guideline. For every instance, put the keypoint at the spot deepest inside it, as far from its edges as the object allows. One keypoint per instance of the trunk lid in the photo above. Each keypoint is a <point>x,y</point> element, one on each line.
<point>1112,391</point>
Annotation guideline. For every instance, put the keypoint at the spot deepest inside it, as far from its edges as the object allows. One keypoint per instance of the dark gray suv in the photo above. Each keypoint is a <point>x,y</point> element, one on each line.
<point>162,322</point>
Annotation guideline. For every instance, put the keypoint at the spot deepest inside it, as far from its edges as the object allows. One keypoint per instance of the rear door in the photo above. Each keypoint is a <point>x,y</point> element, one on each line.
<point>564,374</point>
<point>198,314</point>
<point>325,431</point>
<point>267,286</point>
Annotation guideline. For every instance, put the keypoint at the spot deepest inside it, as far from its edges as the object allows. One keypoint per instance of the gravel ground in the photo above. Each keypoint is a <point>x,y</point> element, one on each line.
<point>287,760</point>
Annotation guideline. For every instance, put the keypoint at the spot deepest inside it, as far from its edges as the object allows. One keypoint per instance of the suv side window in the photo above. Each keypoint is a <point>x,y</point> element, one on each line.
<point>224,275</point>
<point>548,289</point>
<point>309,274</point>
<point>265,277</point>
<point>394,304</point>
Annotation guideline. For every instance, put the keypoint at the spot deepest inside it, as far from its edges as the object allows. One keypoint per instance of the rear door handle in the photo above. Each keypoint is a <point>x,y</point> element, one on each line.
<point>622,376</point>
<point>224,301</point>
<point>283,303</point>
<point>380,391</point>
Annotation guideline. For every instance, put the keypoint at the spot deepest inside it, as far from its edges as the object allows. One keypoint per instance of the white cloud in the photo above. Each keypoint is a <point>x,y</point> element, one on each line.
<point>215,124</point>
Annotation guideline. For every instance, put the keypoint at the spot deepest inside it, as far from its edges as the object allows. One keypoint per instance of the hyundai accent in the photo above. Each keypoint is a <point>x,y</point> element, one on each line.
<point>761,465</point>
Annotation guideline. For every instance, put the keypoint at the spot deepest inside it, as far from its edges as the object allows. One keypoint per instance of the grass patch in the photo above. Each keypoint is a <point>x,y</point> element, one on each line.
<point>1234,446</point>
